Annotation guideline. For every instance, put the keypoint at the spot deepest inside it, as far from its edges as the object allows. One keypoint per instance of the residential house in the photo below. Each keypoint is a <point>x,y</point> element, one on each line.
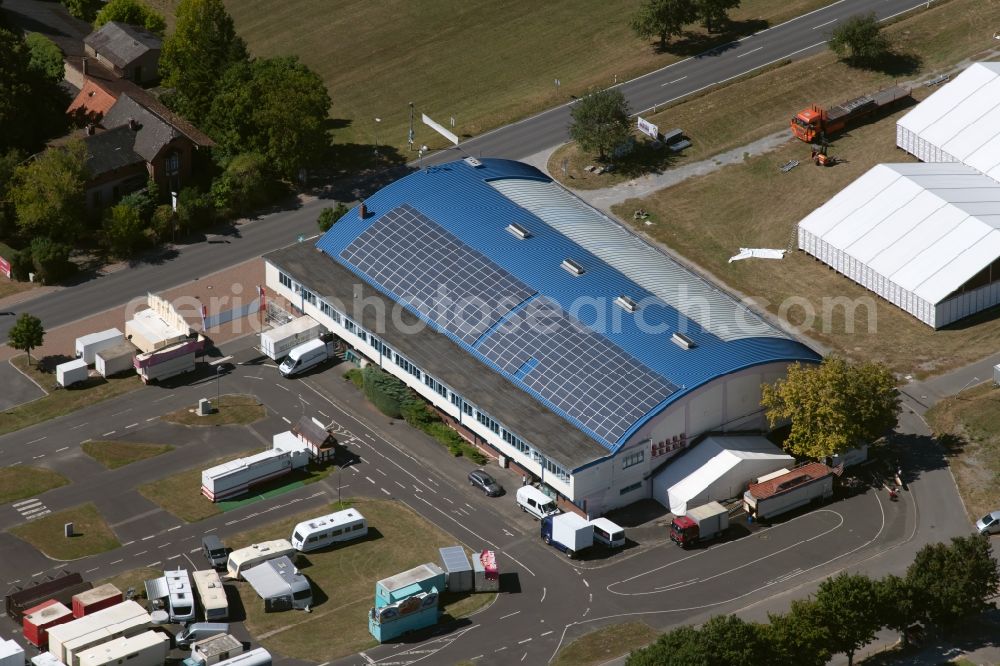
<point>130,52</point>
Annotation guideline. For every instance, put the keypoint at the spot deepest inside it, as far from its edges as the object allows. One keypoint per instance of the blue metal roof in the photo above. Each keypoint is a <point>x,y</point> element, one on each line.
<point>458,197</point>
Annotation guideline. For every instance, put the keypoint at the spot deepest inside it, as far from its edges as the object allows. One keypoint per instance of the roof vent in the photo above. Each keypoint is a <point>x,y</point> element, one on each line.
<point>626,303</point>
<point>572,267</point>
<point>682,341</point>
<point>517,230</point>
<point>473,162</point>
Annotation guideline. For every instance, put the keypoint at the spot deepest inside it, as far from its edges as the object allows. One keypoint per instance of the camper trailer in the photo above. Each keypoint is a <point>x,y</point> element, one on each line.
<point>320,532</point>
<point>212,595</point>
<point>243,558</point>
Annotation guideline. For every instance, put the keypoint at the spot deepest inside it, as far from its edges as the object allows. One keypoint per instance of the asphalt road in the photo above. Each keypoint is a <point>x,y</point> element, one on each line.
<point>549,599</point>
<point>794,39</point>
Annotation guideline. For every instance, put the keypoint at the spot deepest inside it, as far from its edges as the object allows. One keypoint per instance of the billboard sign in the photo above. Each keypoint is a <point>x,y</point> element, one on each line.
<point>4,267</point>
<point>440,129</point>
<point>648,128</point>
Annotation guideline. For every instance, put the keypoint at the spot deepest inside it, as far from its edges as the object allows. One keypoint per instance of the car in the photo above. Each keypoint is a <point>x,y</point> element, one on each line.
<point>485,482</point>
<point>989,524</point>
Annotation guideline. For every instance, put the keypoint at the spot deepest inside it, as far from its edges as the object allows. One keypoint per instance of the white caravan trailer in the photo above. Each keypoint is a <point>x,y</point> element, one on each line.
<point>320,532</point>
<point>212,595</point>
<point>243,558</point>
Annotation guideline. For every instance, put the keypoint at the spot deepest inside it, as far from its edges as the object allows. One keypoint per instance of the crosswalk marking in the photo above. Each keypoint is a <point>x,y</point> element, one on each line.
<point>31,509</point>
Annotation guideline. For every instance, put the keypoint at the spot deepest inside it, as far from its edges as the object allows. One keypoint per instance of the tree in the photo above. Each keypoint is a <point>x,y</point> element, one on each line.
<point>123,230</point>
<point>797,638</point>
<point>679,647</point>
<point>663,19</point>
<point>32,105</point>
<point>600,121</point>
<point>85,10</point>
<point>860,40</point>
<point>277,107</point>
<point>26,334</point>
<point>203,46</point>
<point>48,192</point>
<point>195,209</point>
<point>131,12</point>
<point>46,58</point>
<point>731,641</point>
<point>246,184</point>
<point>8,166</point>
<point>715,13</point>
<point>900,604</point>
<point>50,259</point>
<point>849,607</point>
<point>329,216</point>
<point>955,580</point>
<point>833,407</point>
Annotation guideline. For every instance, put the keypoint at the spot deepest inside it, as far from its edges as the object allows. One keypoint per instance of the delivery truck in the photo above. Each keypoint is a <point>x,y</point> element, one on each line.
<point>88,345</point>
<point>701,523</point>
<point>306,356</point>
<point>807,483</point>
<point>567,532</point>
<point>277,342</point>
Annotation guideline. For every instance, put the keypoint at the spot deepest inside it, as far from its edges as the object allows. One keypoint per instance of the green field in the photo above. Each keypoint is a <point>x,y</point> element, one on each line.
<point>113,454</point>
<point>398,540</point>
<point>22,481</point>
<point>227,410</point>
<point>483,63</point>
<point>92,534</point>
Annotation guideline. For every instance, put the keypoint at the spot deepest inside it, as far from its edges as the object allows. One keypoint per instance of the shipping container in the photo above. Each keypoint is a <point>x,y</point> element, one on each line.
<point>149,648</point>
<point>72,372</point>
<point>38,620</point>
<point>96,599</point>
<point>88,345</point>
<point>276,343</point>
<point>115,360</point>
<point>456,565</point>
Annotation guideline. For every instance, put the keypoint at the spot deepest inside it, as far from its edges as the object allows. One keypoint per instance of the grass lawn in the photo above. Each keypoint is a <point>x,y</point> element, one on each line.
<point>758,105</point>
<point>483,63</point>
<point>398,540</point>
<point>92,534</point>
<point>113,454</point>
<point>134,578</point>
<point>605,644</point>
<point>969,426</point>
<point>233,409</point>
<point>61,401</point>
<point>21,481</point>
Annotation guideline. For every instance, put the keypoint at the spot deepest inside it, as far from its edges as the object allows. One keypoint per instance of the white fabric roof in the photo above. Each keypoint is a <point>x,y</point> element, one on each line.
<point>963,118</point>
<point>928,228</point>
<point>715,458</point>
<point>694,297</point>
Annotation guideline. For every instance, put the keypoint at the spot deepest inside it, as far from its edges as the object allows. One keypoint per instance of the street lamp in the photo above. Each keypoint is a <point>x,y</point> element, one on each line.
<point>377,121</point>
<point>420,154</point>
<point>218,386</point>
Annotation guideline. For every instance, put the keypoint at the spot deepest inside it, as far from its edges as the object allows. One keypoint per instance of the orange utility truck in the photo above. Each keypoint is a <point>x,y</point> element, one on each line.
<point>816,123</point>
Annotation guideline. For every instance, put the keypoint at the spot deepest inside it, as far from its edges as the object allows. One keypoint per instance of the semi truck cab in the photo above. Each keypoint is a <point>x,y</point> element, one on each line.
<point>807,124</point>
<point>684,531</point>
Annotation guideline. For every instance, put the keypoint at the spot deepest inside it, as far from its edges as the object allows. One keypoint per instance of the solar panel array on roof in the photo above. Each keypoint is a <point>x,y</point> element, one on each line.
<point>435,273</point>
<point>575,369</point>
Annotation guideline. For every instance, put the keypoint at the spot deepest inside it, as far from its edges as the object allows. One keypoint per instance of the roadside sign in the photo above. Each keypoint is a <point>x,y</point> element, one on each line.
<point>4,267</point>
<point>648,128</point>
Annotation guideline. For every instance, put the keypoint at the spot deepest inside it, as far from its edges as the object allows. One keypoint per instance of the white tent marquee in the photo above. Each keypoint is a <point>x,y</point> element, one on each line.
<point>716,469</point>
<point>958,123</point>
<point>925,237</point>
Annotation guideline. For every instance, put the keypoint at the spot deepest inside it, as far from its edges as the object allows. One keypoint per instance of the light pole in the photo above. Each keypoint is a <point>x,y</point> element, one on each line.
<point>420,154</point>
<point>377,121</point>
<point>409,139</point>
<point>218,386</point>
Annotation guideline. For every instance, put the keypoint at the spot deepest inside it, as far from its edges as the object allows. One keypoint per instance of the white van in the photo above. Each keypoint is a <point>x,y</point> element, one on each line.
<point>320,532</point>
<point>608,533</point>
<point>535,502</point>
<point>305,356</point>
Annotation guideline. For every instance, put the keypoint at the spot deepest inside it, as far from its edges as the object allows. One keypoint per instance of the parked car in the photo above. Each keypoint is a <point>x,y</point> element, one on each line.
<point>989,524</point>
<point>485,482</point>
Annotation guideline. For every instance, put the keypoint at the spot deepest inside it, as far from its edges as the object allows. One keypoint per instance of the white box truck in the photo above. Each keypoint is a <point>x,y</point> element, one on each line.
<point>276,343</point>
<point>700,524</point>
<point>88,345</point>
<point>72,372</point>
<point>114,360</point>
<point>567,532</point>
<point>802,485</point>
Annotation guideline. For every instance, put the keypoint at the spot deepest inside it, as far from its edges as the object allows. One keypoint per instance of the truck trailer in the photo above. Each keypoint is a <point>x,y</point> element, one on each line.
<point>567,532</point>
<point>815,123</point>
<point>802,485</point>
<point>236,477</point>
<point>700,524</point>
<point>87,346</point>
<point>277,342</point>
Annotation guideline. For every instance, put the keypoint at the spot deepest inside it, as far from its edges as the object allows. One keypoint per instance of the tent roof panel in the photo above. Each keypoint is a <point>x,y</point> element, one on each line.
<point>895,228</point>
<point>948,97</point>
<point>981,131</point>
<point>928,264</point>
<point>862,190</point>
<point>966,264</point>
<point>961,118</point>
<point>919,235</point>
<point>897,196</point>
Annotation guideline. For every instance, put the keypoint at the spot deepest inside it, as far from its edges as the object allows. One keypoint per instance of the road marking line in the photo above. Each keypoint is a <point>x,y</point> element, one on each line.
<point>283,388</point>
<point>122,412</point>
<point>131,426</point>
<point>91,570</point>
<point>510,615</point>
<point>142,553</point>
<point>370,480</point>
<point>37,574</point>
<point>286,420</point>
<point>175,527</point>
<point>173,557</point>
<point>29,501</point>
<point>15,464</point>
<point>36,440</point>
<point>750,51</point>
<point>545,634</point>
<point>544,590</point>
<point>211,529</point>
<point>34,509</point>
<point>304,400</point>
<point>37,457</point>
<point>108,434</point>
<point>164,545</point>
<point>824,24</point>
<point>163,398</point>
<point>326,416</point>
<point>39,515</point>
<point>116,562</point>
<point>386,492</point>
<point>221,360</point>
<point>147,538</point>
<point>674,81</point>
<point>381,472</point>
<point>585,582</point>
<point>153,564</point>
<point>447,500</point>
<point>128,543</point>
<point>400,485</point>
<point>152,418</point>
<point>62,449</point>
<point>60,566</point>
<point>470,506</point>
<point>194,550</point>
<point>260,379</point>
<point>78,426</point>
<point>524,641</point>
<point>586,612</point>
<point>519,562</point>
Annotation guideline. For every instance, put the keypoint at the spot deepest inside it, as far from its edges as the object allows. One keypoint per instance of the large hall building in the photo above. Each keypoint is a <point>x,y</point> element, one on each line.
<point>545,331</point>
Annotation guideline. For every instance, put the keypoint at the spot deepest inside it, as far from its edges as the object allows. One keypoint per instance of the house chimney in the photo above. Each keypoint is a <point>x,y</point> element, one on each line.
<point>362,211</point>
<point>132,124</point>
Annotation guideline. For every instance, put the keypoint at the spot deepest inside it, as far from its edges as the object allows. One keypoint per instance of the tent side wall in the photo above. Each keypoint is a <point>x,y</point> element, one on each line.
<point>967,303</point>
<point>861,273</point>
<point>923,150</point>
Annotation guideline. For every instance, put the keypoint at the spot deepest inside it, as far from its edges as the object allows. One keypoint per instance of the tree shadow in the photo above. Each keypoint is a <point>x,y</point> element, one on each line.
<point>891,63</point>
<point>708,44</point>
<point>648,157</point>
